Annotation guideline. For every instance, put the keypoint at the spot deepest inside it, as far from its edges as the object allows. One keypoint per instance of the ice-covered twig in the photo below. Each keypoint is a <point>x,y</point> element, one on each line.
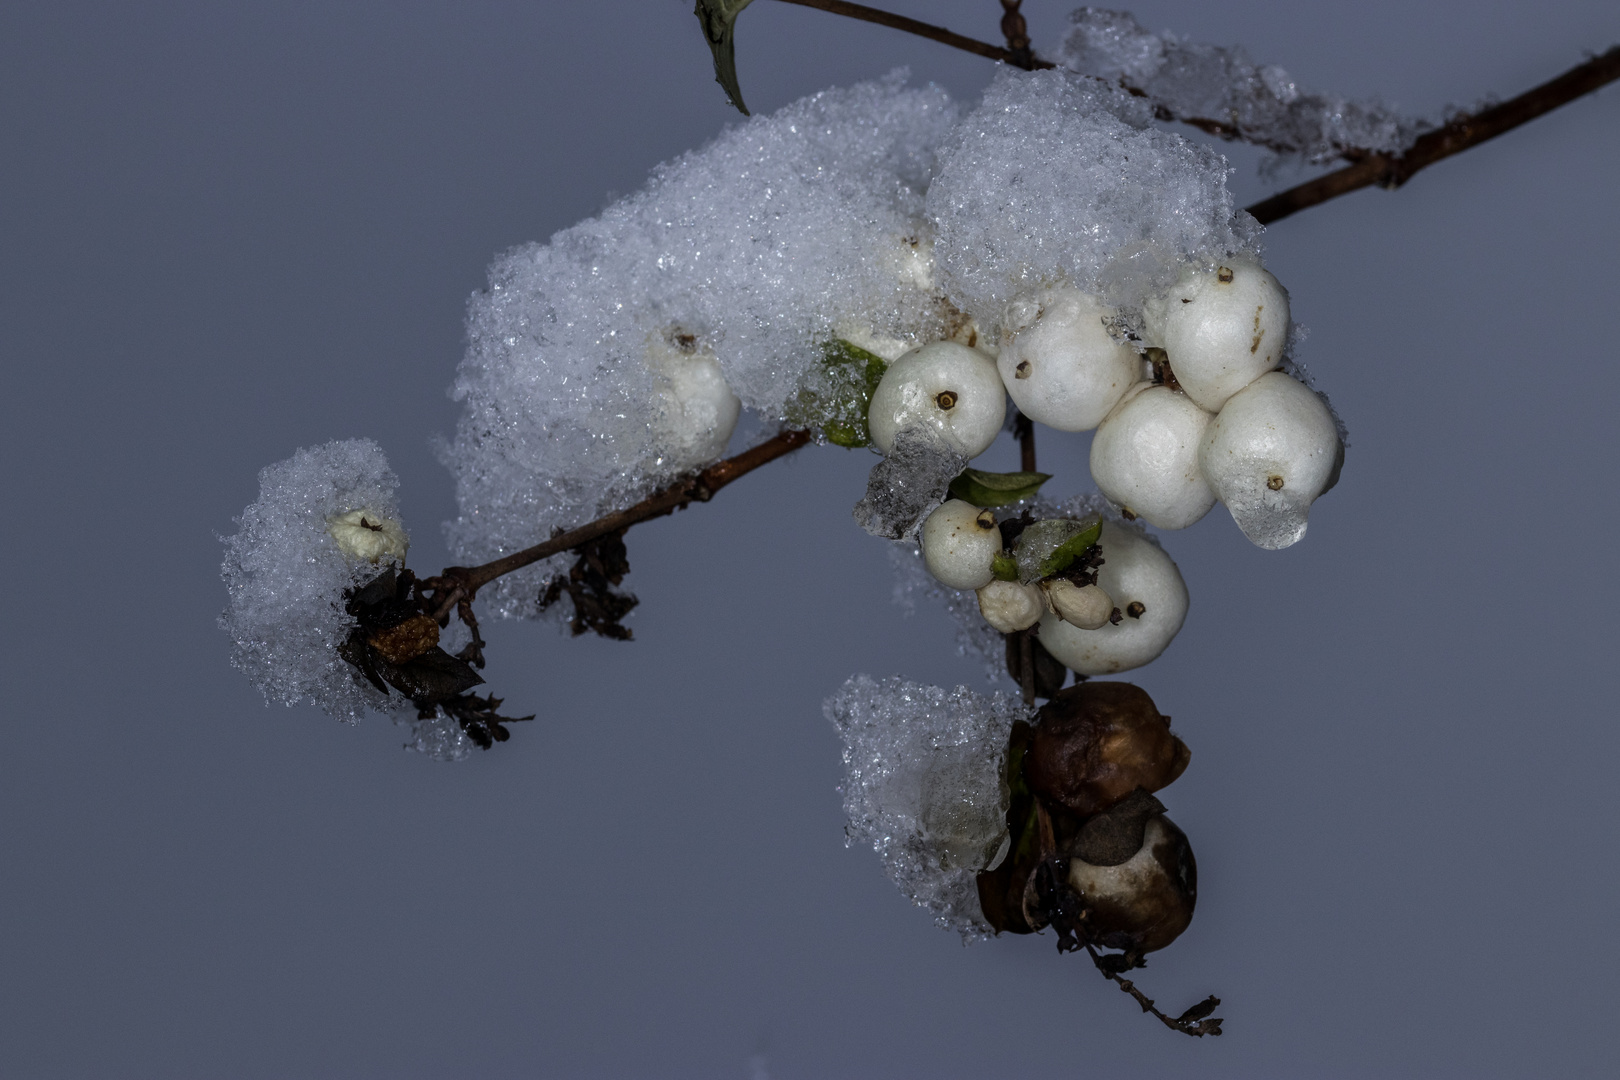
<point>1385,170</point>
<point>1461,133</point>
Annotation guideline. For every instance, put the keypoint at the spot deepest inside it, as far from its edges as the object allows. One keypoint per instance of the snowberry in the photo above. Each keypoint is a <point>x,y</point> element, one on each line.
<point>1151,597</point>
<point>1010,606</point>
<point>942,387</point>
<point>959,544</point>
<point>697,410</point>
<point>1145,457</point>
<point>1096,742</point>
<point>366,534</point>
<point>1222,328</point>
<point>1272,450</point>
<point>1146,898</point>
<point>1085,606</point>
<point>1059,363</point>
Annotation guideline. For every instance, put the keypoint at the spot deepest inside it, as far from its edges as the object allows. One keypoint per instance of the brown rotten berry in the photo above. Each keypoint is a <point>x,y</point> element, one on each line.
<point>1096,742</point>
<point>1135,875</point>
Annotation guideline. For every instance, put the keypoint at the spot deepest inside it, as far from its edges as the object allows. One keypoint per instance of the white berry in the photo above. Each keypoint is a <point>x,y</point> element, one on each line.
<point>959,545</point>
<point>1272,450</point>
<point>1152,598</point>
<point>942,387</point>
<point>1009,606</point>
<point>1145,457</point>
<point>366,534</point>
<point>1085,606</point>
<point>697,411</point>
<point>1222,328</point>
<point>1058,361</point>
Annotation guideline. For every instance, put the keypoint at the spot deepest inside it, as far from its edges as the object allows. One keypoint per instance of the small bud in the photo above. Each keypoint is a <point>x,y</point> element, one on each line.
<point>1009,606</point>
<point>1085,606</point>
<point>1096,742</point>
<point>366,534</point>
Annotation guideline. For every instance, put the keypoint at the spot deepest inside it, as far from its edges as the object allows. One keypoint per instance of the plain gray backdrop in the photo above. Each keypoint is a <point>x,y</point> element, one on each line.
<point>227,231</point>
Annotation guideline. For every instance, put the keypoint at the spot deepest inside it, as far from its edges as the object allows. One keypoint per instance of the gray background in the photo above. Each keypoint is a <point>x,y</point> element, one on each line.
<point>227,231</point>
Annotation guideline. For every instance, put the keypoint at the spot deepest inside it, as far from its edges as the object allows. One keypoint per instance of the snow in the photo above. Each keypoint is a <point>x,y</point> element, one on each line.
<point>1056,181</point>
<point>286,576</point>
<point>758,246</point>
<point>924,784</point>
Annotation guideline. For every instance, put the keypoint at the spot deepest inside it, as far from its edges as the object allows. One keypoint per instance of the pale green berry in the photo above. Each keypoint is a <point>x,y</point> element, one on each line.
<point>943,388</point>
<point>1144,457</point>
<point>959,545</point>
<point>1222,328</point>
<point>1060,365</point>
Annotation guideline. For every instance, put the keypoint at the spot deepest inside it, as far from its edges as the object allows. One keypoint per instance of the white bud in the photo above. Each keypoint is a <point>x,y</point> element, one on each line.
<point>1272,450</point>
<point>1152,598</point>
<point>1058,361</point>
<point>1085,606</point>
<point>959,545</point>
<point>1009,606</point>
<point>1145,457</point>
<point>366,534</point>
<point>1222,328</point>
<point>697,411</point>
<point>943,387</point>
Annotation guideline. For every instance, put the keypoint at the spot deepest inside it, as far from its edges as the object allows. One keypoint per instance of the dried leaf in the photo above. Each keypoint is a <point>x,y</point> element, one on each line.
<point>719,20</point>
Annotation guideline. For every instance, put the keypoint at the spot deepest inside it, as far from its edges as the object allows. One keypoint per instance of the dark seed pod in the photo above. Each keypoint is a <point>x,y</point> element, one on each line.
<point>1145,901</point>
<point>1096,742</point>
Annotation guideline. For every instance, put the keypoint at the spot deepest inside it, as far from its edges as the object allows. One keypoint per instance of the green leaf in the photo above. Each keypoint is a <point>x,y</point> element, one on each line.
<point>996,488</point>
<point>1004,566</point>
<point>1071,549</point>
<point>719,21</point>
<point>837,399</point>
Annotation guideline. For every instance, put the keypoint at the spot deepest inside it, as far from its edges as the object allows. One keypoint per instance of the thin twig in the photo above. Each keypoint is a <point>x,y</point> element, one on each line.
<point>927,30</point>
<point>699,488</point>
<point>1391,171</point>
<point>1192,1022</point>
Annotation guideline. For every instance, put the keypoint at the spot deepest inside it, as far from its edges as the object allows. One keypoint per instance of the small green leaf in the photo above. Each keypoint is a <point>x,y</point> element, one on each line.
<point>996,488</point>
<point>719,21</point>
<point>1071,549</point>
<point>1004,566</point>
<point>838,398</point>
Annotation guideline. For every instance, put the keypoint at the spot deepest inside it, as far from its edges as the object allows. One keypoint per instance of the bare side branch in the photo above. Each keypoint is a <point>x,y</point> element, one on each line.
<point>467,580</point>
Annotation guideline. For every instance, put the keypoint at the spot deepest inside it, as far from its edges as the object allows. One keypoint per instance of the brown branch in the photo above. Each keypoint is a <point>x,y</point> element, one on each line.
<point>1391,171</point>
<point>1192,1022</point>
<point>932,33</point>
<point>699,488</point>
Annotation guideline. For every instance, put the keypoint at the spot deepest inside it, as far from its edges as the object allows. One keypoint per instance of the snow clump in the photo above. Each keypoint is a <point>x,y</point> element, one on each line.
<point>783,233</point>
<point>286,573</point>
<point>1055,181</point>
<point>925,785</point>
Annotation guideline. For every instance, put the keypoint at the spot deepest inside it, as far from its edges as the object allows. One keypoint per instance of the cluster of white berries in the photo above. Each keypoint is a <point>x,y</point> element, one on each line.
<point>1189,409</point>
<point>1096,617</point>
